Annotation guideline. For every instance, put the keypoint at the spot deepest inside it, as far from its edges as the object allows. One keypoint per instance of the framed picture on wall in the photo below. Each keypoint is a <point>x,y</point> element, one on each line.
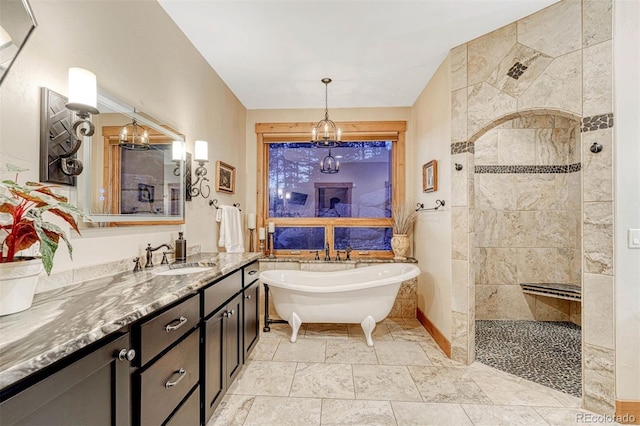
<point>225,178</point>
<point>430,176</point>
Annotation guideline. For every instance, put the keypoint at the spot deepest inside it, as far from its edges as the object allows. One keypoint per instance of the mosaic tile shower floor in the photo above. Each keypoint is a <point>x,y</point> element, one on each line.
<point>548,353</point>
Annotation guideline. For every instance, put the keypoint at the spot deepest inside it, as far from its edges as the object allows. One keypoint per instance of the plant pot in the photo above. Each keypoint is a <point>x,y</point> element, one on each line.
<point>18,281</point>
<point>400,246</point>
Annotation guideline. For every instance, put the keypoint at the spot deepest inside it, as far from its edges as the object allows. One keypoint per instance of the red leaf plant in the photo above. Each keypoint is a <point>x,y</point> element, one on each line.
<point>22,223</point>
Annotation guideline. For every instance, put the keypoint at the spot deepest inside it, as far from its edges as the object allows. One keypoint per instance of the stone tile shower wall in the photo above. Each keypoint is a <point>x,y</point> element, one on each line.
<point>555,62</point>
<point>527,212</point>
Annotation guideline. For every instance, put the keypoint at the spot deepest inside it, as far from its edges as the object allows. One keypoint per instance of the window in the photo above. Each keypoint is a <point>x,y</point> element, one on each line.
<point>351,208</point>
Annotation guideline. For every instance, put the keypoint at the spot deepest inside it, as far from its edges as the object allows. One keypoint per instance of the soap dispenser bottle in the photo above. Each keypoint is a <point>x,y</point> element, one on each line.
<point>181,248</point>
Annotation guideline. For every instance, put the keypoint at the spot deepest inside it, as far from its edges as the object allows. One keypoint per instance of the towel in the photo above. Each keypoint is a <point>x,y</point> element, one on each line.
<point>230,229</point>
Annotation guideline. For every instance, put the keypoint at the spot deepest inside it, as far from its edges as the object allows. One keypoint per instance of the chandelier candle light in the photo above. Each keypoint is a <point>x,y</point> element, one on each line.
<point>326,134</point>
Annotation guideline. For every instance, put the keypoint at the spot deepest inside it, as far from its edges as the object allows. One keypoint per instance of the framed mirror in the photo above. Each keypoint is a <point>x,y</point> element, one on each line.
<point>123,184</point>
<point>16,25</point>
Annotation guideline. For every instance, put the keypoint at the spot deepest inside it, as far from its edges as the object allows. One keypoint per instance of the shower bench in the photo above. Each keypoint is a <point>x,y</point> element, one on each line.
<point>559,291</point>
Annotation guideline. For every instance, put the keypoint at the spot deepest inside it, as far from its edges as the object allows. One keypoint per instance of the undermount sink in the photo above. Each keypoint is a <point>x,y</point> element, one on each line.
<point>184,269</point>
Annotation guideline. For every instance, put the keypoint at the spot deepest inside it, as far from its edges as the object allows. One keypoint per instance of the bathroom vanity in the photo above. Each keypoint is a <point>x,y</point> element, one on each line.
<point>140,348</point>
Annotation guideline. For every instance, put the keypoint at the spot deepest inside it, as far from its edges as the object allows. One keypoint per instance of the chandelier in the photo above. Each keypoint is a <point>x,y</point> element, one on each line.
<point>329,165</point>
<point>325,134</point>
<point>134,137</point>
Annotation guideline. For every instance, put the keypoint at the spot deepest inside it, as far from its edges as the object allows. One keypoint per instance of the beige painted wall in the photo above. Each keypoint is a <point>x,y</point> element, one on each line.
<point>431,119</point>
<point>140,56</point>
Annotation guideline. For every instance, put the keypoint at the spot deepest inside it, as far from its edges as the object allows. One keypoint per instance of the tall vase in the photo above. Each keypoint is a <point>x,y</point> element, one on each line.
<point>18,281</point>
<point>400,246</point>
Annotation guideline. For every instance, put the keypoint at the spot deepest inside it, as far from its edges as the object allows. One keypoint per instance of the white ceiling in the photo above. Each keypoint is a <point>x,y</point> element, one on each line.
<point>273,54</point>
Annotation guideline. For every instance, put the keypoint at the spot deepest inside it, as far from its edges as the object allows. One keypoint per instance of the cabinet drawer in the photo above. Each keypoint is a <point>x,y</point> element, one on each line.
<point>168,380</point>
<point>161,331</point>
<point>188,413</point>
<point>250,273</point>
<point>220,292</point>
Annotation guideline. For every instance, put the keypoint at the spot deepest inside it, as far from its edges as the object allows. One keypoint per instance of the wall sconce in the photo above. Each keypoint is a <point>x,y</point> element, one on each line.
<point>83,100</point>
<point>201,155</point>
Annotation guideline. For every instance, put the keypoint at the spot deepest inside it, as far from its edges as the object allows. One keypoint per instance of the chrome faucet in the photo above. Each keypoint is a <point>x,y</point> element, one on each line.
<point>150,250</point>
<point>326,253</point>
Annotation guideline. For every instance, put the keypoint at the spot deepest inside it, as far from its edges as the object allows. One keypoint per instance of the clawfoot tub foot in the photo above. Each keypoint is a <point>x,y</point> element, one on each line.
<point>368,324</point>
<point>294,322</point>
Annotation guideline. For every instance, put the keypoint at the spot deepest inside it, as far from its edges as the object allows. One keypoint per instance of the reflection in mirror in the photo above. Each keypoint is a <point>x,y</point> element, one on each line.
<point>16,25</point>
<point>127,183</point>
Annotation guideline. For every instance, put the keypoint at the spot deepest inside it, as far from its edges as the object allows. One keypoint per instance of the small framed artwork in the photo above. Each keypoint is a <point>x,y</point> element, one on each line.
<point>225,178</point>
<point>430,176</point>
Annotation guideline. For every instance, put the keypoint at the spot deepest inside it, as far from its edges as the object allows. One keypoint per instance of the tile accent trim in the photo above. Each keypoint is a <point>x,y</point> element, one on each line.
<point>596,122</point>
<point>439,338</point>
<point>554,169</point>
<point>462,147</point>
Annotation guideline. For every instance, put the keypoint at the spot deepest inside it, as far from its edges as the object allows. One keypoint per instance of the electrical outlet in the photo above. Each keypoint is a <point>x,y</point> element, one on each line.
<point>634,238</point>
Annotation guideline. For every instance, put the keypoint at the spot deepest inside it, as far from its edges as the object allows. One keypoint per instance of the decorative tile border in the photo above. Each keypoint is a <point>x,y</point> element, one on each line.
<point>517,70</point>
<point>569,168</point>
<point>462,147</point>
<point>596,122</point>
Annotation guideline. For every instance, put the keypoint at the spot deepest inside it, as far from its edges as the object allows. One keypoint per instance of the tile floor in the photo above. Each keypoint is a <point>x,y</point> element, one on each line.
<point>331,377</point>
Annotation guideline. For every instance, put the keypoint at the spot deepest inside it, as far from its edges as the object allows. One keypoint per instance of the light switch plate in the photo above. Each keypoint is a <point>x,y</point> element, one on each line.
<point>634,238</point>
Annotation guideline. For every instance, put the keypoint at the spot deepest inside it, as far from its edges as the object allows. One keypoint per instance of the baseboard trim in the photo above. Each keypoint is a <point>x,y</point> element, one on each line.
<point>442,341</point>
<point>628,412</point>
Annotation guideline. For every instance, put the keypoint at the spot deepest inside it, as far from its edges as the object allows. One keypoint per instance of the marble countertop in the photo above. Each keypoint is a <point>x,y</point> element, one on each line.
<point>63,321</point>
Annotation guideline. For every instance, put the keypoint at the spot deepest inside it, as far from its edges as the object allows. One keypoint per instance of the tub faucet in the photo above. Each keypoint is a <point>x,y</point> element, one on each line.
<point>326,253</point>
<point>150,251</point>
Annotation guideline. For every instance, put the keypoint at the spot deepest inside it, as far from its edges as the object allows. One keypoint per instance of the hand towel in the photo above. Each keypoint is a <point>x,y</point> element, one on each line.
<point>230,229</point>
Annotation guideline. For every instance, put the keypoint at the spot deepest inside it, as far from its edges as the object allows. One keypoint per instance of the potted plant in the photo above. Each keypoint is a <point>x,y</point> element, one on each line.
<point>21,226</point>
<point>403,219</point>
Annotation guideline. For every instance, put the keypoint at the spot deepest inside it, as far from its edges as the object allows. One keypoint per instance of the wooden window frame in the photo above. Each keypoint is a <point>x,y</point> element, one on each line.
<point>268,133</point>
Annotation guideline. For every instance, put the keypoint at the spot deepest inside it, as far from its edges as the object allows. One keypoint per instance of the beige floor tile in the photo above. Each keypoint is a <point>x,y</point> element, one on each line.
<point>401,353</point>
<point>505,389</point>
<point>232,411</point>
<point>437,357</point>
<point>303,350</point>
<point>265,349</point>
<point>384,382</point>
<point>350,352</point>
<point>277,411</point>
<point>356,412</point>
<point>570,416</point>
<point>326,331</point>
<point>264,378</point>
<point>447,384</point>
<point>318,380</point>
<point>497,415</point>
<point>427,413</point>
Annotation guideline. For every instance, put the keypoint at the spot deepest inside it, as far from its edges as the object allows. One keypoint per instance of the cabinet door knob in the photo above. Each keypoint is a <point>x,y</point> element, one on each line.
<point>181,373</point>
<point>126,354</point>
<point>175,324</point>
<point>248,296</point>
<point>252,272</point>
<point>233,312</point>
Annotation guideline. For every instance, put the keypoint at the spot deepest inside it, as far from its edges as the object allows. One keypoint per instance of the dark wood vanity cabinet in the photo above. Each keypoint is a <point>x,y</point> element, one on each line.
<point>92,390</point>
<point>185,357</point>
<point>222,336</point>
<point>250,308</point>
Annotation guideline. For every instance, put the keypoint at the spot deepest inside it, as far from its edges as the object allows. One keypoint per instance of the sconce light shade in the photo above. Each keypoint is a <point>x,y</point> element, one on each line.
<point>82,88</point>
<point>178,152</point>
<point>201,151</point>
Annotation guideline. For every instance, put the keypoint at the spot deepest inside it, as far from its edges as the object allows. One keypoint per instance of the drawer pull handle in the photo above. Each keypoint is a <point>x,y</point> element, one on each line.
<point>180,322</point>
<point>252,272</point>
<point>248,296</point>
<point>182,372</point>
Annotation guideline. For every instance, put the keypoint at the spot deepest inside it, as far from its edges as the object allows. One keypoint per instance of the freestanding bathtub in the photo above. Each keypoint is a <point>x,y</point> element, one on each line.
<point>361,295</point>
